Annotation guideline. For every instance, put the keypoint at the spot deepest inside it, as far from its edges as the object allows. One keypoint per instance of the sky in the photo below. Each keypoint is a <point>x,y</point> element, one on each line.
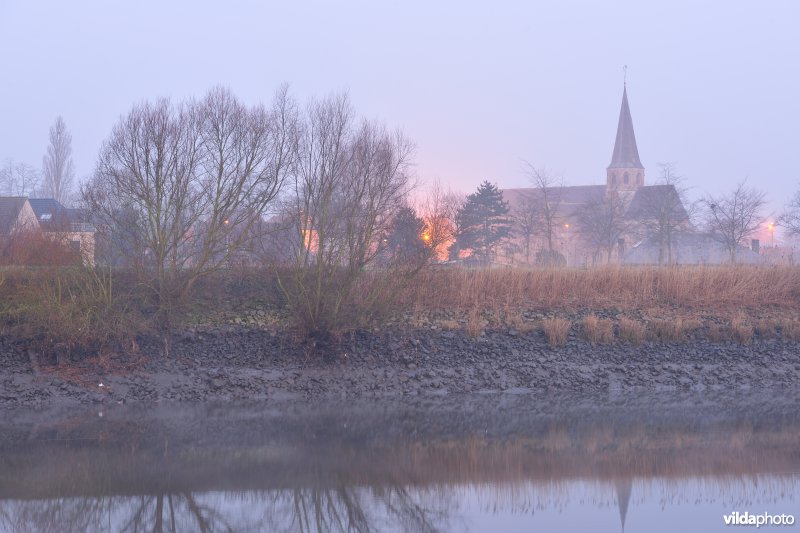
<point>714,87</point>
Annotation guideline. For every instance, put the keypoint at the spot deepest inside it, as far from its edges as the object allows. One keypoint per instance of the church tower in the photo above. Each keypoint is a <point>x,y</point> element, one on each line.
<point>625,173</point>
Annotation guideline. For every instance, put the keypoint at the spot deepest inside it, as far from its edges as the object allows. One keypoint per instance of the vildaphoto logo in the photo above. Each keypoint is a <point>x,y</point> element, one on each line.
<point>764,519</point>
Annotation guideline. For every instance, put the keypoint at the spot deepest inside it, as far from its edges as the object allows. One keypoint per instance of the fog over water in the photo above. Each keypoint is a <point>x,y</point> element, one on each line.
<point>478,86</point>
<point>638,462</point>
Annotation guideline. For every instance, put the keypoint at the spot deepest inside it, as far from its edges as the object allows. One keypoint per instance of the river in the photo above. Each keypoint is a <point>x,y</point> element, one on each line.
<point>632,461</point>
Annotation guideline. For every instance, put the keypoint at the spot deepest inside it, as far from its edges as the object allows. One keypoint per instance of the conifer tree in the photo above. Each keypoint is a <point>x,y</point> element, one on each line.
<point>483,223</point>
<point>404,241</point>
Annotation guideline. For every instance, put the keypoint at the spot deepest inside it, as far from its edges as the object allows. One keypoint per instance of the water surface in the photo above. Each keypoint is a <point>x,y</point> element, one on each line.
<point>622,462</point>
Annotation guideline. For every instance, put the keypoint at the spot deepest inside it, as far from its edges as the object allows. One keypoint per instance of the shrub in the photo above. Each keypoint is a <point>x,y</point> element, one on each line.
<point>70,312</point>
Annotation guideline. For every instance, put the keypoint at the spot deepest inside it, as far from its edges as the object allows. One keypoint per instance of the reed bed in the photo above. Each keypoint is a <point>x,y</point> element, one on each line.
<point>696,287</point>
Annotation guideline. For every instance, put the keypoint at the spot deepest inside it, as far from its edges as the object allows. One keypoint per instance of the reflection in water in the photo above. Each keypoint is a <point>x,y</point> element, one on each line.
<point>574,505</point>
<point>473,464</point>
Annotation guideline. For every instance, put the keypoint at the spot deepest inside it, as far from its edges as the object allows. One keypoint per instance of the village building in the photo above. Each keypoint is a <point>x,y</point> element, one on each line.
<point>53,220</point>
<point>625,184</point>
<point>16,215</point>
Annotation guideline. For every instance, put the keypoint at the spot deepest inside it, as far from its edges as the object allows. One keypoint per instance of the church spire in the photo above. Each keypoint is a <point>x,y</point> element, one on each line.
<point>626,170</point>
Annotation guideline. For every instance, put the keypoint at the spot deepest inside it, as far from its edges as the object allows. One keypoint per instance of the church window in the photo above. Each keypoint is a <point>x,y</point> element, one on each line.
<point>613,179</point>
<point>639,178</point>
<point>625,178</point>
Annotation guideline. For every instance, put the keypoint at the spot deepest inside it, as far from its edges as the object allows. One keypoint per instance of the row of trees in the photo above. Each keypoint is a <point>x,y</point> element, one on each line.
<point>57,174</point>
<point>483,223</point>
<point>181,188</point>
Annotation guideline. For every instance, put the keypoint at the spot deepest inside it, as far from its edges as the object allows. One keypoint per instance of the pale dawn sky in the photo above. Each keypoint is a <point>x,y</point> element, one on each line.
<point>713,86</point>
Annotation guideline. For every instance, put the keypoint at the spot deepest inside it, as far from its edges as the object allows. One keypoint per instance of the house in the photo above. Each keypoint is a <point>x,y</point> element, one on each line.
<point>71,226</point>
<point>16,215</point>
<point>625,183</point>
<point>53,220</point>
<point>690,248</point>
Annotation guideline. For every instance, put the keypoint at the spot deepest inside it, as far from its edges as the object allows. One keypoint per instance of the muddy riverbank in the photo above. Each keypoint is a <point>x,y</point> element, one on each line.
<point>243,363</point>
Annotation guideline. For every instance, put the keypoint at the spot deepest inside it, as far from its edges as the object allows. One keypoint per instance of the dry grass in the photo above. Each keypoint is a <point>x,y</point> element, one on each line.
<point>598,330</point>
<point>556,330</point>
<point>515,320</point>
<point>674,329</point>
<point>718,333</point>
<point>790,329</point>
<point>631,331</point>
<point>476,325</point>
<point>742,330</point>
<point>449,325</point>
<point>695,287</point>
<point>70,312</point>
<point>766,328</point>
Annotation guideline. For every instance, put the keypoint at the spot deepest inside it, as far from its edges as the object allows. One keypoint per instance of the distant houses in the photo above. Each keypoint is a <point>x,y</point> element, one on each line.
<point>23,219</point>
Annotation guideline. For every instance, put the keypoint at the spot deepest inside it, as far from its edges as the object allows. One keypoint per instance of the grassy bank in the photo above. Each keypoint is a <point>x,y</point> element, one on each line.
<point>79,312</point>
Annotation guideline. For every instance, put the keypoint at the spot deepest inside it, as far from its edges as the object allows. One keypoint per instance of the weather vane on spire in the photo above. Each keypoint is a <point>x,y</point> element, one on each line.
<point>624,75</point>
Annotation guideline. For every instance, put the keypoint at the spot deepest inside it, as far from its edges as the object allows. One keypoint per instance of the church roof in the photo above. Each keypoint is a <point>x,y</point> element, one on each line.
<point>626,154</point>
<point>570,199</point>
<point>653,196</point>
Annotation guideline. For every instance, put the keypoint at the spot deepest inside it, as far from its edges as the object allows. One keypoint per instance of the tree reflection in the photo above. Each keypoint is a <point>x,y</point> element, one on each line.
<point>167,512</point>
<point>305,510</point>
<point>352,509</point>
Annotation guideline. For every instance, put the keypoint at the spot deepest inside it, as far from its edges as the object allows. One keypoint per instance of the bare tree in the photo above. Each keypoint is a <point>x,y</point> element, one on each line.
<point>603,223</point>
<point>349,183</point>
<point>18,179</point>
<point>182,186</point>
<point>57,167</point>
<point>734,217</point>
<point>544,204</point>
<point>790,217</point>
<point>439,208</point>
<point>665,210</point>
<point>526,222</point>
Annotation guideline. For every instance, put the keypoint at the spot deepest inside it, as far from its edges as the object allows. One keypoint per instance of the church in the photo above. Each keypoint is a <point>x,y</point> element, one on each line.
<point>619,222</point>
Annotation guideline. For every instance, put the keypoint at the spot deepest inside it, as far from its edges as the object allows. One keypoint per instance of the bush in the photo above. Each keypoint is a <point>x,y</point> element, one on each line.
<point>69,313</point>
<point>34,248</point>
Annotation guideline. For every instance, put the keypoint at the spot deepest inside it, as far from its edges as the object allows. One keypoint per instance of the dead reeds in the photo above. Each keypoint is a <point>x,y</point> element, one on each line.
<point>692,287</point>
<point>598,330</point>
<point>556,330</point>
<point>631,331</point>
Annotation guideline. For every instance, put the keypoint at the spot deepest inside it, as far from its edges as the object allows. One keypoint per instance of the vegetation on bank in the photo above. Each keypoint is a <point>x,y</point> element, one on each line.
<point>70,313</point>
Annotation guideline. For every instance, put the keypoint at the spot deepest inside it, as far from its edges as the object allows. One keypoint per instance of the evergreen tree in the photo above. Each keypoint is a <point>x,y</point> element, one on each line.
<point>404,241</point>
<point>483,223</point>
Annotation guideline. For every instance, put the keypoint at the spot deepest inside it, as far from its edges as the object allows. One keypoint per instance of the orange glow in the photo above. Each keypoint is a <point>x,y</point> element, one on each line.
<point>310,240</point>
<point>438,234</point>
<point>566,226</point>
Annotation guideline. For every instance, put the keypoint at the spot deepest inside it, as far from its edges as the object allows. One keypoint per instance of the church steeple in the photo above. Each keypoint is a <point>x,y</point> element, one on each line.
<point>625,171</point>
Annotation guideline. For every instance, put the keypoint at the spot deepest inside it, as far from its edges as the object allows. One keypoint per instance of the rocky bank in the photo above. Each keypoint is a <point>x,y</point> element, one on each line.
<point>245,363</point>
